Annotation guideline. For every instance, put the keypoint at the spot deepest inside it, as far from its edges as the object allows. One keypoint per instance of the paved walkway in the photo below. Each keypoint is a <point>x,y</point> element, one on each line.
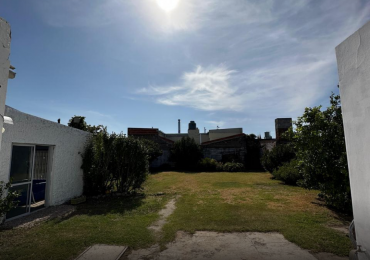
<point>102,252</point>
<point>231,246</point>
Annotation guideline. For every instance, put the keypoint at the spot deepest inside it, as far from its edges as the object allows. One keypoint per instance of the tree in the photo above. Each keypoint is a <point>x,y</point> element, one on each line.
<point>186,154</point>
<point>320,149</point>
<point>7,202</point>
<point>80,123</point>
<point>252,160</point>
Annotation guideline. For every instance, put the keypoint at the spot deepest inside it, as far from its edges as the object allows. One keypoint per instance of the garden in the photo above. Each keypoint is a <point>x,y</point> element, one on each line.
<point>304,195</point>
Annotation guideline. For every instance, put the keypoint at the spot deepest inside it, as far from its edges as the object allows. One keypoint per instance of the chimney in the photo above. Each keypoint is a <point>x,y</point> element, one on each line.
<point>179,126</point>
<point>58,120</point>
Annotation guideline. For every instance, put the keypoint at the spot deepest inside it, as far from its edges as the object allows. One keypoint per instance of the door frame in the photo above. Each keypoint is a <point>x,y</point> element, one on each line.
<point>48,175</point>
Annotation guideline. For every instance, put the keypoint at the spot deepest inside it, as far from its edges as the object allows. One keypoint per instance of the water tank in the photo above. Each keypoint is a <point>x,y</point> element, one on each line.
<point>192,125</point>
<point>267,135</point>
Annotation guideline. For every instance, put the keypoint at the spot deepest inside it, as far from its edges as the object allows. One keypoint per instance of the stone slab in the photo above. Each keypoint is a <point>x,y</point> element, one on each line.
<point>102,252</point>
<point>230,246</point>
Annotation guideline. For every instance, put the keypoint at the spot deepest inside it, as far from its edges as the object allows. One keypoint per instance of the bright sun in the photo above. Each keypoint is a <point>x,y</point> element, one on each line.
<point>167,5</point>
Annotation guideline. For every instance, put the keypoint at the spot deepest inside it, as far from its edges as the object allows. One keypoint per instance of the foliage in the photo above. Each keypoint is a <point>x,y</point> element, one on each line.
<point>186,154</point>
<point>233,167</point>
<point>7,202</point>
<point>280,154</point>
<point>210,165</point>
<point>113,162</point>
<point>80,123</point>
<point>320,149</point>
<point>152,148</point>
<point>252,160</point>
<point>288,173</point>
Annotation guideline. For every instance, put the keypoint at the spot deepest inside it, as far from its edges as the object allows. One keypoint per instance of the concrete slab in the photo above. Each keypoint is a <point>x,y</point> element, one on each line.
<point>102,252</point>
<point>231,246</point>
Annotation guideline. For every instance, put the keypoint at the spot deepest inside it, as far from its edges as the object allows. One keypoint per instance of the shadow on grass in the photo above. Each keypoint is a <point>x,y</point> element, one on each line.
<point>104,206</point>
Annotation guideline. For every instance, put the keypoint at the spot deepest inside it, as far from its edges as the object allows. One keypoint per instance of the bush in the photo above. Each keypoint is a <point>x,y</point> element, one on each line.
<point>288,173</point>
<point>233,167</point>
<point>280,154</point>
<point>320,147</point>
<point>153,149</point>
<point>7,202</point>
<point>209,165</point>
<point>186,154</point>
<point>113,162</point>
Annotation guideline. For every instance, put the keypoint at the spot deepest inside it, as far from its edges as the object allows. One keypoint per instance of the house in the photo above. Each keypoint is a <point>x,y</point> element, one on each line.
<point>353,58</point>
<point>43,161</point>
<point>219,144</point>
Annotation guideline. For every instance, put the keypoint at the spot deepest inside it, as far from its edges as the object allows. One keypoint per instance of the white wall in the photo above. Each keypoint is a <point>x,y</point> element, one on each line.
<point>353,56</point>
<point>65,180</point>
<point>4,66</point>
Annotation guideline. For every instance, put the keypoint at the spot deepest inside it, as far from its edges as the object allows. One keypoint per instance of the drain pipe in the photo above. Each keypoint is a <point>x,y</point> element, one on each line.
<point>353,254</point>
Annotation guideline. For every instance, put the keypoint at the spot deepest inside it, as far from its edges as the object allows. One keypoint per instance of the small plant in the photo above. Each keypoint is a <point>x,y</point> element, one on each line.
<point>233,167</point>
<point>209,165</point>
<point>8,201</point>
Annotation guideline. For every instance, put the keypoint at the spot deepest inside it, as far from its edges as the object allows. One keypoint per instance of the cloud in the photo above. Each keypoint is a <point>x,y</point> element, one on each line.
<point>216,123</point>
<point>279,56</point>
<point>204,88</point>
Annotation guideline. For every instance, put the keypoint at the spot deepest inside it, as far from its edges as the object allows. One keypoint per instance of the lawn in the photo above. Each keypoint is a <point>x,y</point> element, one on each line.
<point>225,202</point>
<point>238,202</point>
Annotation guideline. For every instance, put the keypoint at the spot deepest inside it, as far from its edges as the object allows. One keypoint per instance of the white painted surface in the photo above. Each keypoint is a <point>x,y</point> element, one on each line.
<point>4,66</point>
<point>353,56</point>
<point>65,180</point>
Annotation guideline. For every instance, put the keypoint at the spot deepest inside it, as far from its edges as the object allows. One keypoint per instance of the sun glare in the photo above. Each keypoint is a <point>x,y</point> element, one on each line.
<point>167,5</point>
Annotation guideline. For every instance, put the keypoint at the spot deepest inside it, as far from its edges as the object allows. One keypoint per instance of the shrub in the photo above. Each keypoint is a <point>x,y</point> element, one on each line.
<point>233,167</point>
<point>152,148</point>
<point>186,154</point>
<point>288,173</point>
<point>209,165</point>
<point>113,162</point>
<point>7,202</point>
<point>320,147</point>
<point>280,154</point>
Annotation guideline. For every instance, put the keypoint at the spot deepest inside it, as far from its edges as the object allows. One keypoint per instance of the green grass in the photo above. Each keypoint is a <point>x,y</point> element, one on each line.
<point>243,202</point>
<point>223,202</point>
<point>115,221</point>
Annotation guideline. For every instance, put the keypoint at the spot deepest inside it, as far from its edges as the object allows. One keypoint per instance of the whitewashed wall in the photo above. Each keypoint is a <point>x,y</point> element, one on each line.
<point>66,176</point>
<point>4,66</point>
<point>353,56</point>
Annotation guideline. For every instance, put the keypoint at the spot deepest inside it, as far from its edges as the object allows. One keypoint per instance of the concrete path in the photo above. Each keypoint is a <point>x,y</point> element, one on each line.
<point>231,246</point>
<point>164,213</point>
<point>102,252</point>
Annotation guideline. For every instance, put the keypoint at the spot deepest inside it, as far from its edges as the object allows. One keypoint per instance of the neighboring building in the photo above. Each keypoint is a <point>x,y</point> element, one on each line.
<point>216,139</point>
<point>281,126</point>
<point>43,159</point>
<point>218,144</point>
<point>353,57</point>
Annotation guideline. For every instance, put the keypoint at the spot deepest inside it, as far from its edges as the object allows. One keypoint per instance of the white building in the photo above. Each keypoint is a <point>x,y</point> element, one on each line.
<point>353,56</point>
<point>43,159</point>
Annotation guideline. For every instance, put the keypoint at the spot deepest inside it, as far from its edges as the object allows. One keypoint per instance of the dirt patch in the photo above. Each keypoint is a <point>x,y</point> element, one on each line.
<point>164,213</point>
<point>237,196</point>
<point>40,216</point>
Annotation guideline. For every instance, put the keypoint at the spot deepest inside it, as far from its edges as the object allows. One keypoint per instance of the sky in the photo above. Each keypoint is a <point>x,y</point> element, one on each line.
<point>148,63</point>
